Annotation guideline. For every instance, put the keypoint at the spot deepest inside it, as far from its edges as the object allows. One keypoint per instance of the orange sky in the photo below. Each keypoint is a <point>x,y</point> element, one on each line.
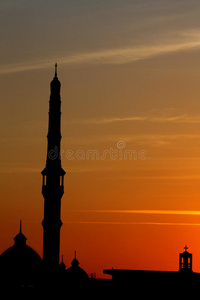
<point>130,78</point>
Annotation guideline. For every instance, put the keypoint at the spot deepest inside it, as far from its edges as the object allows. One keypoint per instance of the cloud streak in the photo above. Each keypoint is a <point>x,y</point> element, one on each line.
<point>195,119</point>
<point>132,223</point>
<point>149,211</point>
<point>142,212</point>
<point>106,56</point>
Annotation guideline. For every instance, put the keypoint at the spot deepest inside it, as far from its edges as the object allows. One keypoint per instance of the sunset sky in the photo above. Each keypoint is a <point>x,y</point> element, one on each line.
<point>130,85</point>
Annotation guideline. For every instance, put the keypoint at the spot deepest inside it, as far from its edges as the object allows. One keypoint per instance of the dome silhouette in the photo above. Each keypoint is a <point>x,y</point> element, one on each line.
<point>75,272</point>
<point>20,263</point>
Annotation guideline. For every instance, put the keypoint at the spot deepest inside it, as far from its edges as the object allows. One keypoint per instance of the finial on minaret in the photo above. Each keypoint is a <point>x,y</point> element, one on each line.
<point>56,65</point>
<point>186,247</point>
<point>74,254</point>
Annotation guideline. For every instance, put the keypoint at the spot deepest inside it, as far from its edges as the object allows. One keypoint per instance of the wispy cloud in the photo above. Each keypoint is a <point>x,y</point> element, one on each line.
<point>132,223</point>
<point>109,56</point>
<point>195,119</point>
<point>142,212</point>
<point>149,211</point>
<point>128,55</point>
<point>109,120</point>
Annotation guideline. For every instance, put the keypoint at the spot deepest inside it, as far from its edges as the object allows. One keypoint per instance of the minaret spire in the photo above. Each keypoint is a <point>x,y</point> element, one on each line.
<point>53,180</point>
<point>56,66</point>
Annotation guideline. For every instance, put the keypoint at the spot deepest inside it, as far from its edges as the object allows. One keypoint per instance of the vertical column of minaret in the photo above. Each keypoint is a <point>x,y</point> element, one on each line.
<point>53,181</point>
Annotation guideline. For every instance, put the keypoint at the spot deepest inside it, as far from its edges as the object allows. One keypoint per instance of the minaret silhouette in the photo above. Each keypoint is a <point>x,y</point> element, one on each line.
<point>53,181</point>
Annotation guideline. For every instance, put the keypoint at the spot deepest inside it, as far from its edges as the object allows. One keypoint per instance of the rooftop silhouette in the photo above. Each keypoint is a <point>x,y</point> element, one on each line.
<point>21,266</point>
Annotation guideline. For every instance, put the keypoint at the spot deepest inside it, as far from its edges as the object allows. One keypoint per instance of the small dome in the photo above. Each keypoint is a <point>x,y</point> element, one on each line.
<point>20,238</point>
<point>75,272</point>
<point>75,263</point>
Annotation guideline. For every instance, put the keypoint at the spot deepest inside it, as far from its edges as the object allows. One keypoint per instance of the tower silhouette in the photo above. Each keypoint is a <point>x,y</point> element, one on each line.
<point>185,261</point>
<point>53,180</point>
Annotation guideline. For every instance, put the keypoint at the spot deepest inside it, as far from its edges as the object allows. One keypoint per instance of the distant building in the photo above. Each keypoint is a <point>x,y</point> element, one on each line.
<point>74,272</point>
<point>185,261</point>
<point>185,268</point>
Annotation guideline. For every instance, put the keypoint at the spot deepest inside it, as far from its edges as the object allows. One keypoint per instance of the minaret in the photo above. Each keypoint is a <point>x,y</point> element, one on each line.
<point>53,180</point>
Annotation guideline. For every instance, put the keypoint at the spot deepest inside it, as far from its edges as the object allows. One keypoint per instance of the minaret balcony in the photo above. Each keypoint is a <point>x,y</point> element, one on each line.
<point>45,190</point>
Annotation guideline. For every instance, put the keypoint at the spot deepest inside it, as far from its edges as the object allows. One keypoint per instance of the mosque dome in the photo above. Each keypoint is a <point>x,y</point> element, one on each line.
<point>75,272</point>
<point>20,263</point>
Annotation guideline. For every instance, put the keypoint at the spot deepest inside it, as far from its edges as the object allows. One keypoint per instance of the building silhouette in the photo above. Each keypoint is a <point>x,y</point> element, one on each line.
<point>21,266</point>
<point>53,181</point>
<point>185,261</point>
<point>185,272</point>
<point>74,272</point>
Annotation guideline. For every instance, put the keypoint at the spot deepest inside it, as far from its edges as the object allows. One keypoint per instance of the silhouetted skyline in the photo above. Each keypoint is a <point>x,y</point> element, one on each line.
<point>130,82</point>
<point>22,267</point>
